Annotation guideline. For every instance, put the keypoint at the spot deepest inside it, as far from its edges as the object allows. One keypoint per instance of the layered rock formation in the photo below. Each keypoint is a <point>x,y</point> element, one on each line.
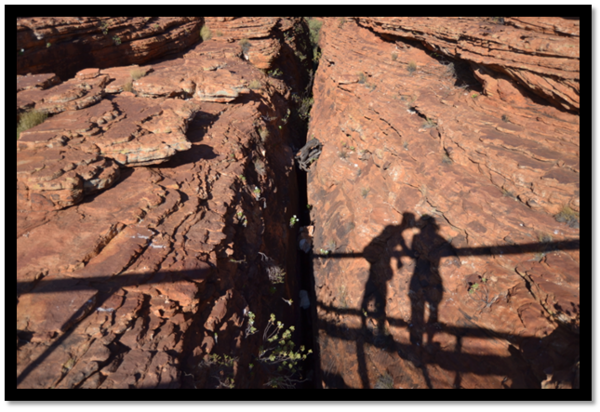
<point>157,205</point>
<point>439,261</point>
<point>82,42</point>
<point>151,212</point>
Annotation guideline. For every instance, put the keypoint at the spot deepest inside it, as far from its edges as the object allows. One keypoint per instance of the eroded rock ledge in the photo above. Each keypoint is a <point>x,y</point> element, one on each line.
<point>143,205</point>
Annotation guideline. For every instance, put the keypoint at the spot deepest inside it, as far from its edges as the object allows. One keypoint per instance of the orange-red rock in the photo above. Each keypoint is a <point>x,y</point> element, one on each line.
<point>133,262</point>
<point>85,42</point>
<point>426,162</point>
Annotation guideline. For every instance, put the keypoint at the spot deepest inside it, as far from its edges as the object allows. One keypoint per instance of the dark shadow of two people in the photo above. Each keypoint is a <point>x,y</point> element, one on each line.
<point>425,284</point>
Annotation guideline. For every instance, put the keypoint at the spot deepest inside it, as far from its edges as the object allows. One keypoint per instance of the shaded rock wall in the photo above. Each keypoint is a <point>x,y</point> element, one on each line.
<point>148,220</point>
<point>82,42</point>
<point>438,261</point>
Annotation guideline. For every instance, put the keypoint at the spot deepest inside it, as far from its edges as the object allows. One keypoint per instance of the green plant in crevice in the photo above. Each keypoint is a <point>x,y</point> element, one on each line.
<point>104,26</point>
<point>276,274</point>
<point>275,73</point>
<point>305,106</point>
<point>250,329</point>
<point>242,219</point>
<point>293,221</point>
<point>256,192</point>
<point>117,40</point>
<point>279,357</point>
<point>314,26</point>
<point>220,368</point>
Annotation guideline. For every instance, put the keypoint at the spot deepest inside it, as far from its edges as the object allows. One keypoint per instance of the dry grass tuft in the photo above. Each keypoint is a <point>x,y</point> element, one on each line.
<point>30,119</point>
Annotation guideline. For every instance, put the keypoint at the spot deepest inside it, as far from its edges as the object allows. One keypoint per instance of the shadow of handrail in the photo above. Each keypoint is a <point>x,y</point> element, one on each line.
<point>514,249</point>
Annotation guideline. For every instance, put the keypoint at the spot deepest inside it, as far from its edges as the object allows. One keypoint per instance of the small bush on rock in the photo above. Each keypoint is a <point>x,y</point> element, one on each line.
<point>205,33</point>
<point>30,119</point>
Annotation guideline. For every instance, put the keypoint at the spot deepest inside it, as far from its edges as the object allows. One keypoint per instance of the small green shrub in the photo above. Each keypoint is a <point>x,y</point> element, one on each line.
<point>314,26</point>
<point>364,192</point>
<point>384,382</point>
<point>305,106</point>
<point>245,45</point>
<point>48,45</point>
<point>278,355</point>
<point>293,221</point>
<point>205,33</point>
<point>362,78</point>
<point>255,84</point>
<point>394,56</point>
<point>117,40</point>
<point>412,67</point>
<point>568,216</point>
<point>30,119</point>
<point>276,274</point>
<point>275,73</point>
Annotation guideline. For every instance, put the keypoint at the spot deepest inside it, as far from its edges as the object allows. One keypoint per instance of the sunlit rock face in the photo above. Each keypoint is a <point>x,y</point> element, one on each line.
<point>445,202</point>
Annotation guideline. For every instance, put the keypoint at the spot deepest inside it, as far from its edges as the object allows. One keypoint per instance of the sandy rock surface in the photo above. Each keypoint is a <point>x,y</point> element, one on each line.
<point>425,182</point>
<point>139,223</point>
<point>158,202</point>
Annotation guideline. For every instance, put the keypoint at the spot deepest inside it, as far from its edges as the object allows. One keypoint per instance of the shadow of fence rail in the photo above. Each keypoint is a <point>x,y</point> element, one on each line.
<point>107,285</point>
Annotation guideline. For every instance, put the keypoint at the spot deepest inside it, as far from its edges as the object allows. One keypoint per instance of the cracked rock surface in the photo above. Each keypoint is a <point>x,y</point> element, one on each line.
<point>435,198</point>
<point>139,230</point>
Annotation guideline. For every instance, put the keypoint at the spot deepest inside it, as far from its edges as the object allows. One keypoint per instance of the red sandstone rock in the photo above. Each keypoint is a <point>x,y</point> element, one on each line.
<point>84,42</point>
<point>415,178</point>
<point>123,274</point>
<point>137,284</point>
<point>545,62</point>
